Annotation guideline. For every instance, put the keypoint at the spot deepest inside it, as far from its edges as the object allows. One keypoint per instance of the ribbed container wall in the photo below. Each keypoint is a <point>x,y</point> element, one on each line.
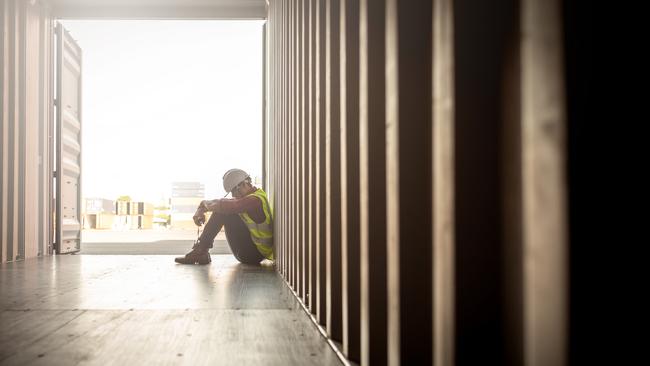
<point>26,133</point>
<point>417,160</point>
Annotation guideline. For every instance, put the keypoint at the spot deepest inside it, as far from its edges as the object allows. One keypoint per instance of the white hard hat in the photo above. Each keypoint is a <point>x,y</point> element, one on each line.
<point>232,178</point>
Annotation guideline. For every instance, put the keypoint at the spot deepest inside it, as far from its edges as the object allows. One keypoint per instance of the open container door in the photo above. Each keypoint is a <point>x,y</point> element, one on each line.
<point>68,143</point>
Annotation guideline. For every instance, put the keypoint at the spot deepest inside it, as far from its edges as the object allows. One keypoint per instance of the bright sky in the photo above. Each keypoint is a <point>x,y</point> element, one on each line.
<point>168,101</point>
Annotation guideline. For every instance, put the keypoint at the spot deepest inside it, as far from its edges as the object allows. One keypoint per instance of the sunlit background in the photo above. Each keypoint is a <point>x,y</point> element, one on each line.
<point>168,101</point>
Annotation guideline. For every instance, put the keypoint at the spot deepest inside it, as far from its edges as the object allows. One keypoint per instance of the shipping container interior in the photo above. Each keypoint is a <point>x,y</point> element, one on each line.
<point>421,161</point>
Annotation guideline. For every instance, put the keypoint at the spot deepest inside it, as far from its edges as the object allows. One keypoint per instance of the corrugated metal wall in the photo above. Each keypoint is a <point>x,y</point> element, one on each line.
<point>416,165</point>
<point>26,134</point>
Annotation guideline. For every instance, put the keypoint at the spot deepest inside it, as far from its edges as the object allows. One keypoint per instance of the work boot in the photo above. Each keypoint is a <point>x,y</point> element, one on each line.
<point>199,254</point>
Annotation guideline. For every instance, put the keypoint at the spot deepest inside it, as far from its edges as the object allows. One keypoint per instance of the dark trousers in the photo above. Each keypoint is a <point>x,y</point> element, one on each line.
<point>239,238</point>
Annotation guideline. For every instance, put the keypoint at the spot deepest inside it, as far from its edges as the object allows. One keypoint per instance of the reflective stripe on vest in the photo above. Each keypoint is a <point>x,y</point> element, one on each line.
<point>261,234</point>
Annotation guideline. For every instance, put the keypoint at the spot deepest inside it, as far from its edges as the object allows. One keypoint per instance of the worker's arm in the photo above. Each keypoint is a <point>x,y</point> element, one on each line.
<point>228,206</point>
<point>208,204</point>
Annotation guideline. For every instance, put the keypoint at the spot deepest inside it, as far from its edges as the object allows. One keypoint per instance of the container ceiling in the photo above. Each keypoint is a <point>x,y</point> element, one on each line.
<point>158,9</point>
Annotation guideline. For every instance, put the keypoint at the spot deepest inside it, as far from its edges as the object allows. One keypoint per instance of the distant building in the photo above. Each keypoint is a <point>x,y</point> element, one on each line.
<point>141,215</point>
<point>134,215</point>
<point>186,197</point>
<point>99,213</point>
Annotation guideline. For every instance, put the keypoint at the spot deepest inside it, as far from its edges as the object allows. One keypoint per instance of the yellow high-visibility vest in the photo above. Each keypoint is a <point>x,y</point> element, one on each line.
<point>262,234</point>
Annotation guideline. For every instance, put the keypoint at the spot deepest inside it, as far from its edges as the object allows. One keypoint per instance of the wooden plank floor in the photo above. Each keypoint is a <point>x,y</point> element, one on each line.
<point>147,310</point>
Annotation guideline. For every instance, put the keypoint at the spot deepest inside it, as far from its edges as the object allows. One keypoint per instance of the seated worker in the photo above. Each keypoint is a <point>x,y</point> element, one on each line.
<point>247,218</point>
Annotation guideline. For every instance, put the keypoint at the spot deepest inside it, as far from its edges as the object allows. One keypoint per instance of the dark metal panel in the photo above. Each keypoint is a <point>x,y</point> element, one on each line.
<point>408,142</point>
<point>283,99</point>
<point>321,314</point>
<point>293,145</point>
<point>511,172</point>
<point>350,177</point>
<point>285,144</point>
<point>577,42</point>
<point>295,148</point>
<point>298,144</point>
<point>372,177</point>
<point>274,96</point>
<point>484,37</point>
<point>288,144</point>
<point>285,139</point>
<point>289,130</point>
<point>278,137</point>
<point>302,187</point>
<point>277,50</point>
<point>272,146</point>
<point>3,122</point>
<point>313,157</point>
<point>282,134</point>
<point>333,173</point>
<point>277,98</point>
<point>512,217</point>
<point>273,173</point>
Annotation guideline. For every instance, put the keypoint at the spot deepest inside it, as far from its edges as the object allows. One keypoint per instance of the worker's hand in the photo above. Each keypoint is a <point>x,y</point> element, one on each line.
<point>199,218</point>
<point>199,215</point>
